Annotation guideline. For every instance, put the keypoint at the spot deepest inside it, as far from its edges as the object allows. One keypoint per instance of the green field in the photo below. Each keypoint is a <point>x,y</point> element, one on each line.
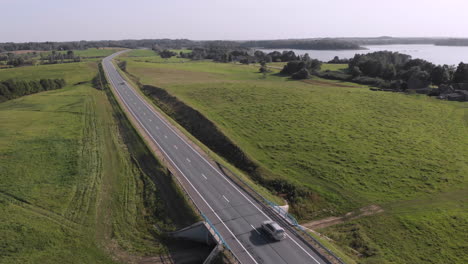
<point>351,146</point>
<point>333,67</point>
<point>145,55</point>
<point>72,72</point>
<point>140,53</point>
<point>77,185</point>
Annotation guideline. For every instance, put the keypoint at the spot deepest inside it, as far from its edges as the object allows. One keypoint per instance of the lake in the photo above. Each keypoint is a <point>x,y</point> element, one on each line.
<point>436,54</point>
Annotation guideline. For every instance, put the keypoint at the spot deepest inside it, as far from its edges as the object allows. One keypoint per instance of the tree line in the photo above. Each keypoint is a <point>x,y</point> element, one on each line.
<point>12,88</point>
<point>310,44</point>
<point>31,58</point>
<point>59,57</point>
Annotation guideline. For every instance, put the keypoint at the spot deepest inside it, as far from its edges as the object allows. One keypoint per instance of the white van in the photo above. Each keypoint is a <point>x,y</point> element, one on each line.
<point>274,230</point>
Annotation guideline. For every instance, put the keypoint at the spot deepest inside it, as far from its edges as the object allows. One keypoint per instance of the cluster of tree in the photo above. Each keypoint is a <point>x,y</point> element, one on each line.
<point>401,72</point>
<point>59,57</point>
<point>166,54</point>
<point>396,71</point>
<point>312,44</point>
<point>17,60</point>
<point>11,89</point>
<point>461,74</point>
<point>337,60</point>
<point>301,69</point>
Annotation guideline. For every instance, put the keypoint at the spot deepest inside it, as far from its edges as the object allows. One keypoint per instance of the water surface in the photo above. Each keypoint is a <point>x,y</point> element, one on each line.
<point>436,54</point>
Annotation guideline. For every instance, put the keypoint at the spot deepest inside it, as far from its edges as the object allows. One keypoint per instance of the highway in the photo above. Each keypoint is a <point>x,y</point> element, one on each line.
<point>234,213</point>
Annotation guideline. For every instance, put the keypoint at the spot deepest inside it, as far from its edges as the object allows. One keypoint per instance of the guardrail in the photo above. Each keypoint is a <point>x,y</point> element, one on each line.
<point>299,230</point>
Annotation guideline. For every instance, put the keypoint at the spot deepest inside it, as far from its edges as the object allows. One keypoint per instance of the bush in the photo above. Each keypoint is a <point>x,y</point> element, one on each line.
<point>293,67</point>
<point>335,75</point>
<point>301,74</point>
<point>377,82</point>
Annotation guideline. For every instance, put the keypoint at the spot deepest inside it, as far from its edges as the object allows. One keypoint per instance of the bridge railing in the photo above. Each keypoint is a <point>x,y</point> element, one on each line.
<point>299,230</point>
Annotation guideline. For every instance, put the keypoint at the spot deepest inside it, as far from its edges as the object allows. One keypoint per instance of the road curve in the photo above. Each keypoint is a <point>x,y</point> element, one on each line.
<point>234,213</point>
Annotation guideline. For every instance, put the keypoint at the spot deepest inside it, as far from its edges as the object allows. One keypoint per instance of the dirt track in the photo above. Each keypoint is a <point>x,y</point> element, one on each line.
<point>334,220</point>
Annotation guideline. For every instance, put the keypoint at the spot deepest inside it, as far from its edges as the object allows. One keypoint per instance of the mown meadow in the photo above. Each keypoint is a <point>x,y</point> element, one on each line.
<point>77,184</point>
<point>351,146</point>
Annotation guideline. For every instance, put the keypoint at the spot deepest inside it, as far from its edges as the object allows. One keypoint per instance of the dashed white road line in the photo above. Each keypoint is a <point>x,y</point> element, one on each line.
<point>225,198</point>
<point>165,136</point>
<point>204,176</point>
<point>188,159</point>
<point>175,146</point>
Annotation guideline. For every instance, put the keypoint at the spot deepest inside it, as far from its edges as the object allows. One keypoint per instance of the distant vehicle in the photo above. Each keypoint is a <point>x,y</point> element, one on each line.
<point>274,230</point>
<point>122,83</point>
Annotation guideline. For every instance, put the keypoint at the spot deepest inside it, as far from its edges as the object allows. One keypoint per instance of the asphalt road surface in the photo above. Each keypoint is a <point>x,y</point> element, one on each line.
<point>234,213</point>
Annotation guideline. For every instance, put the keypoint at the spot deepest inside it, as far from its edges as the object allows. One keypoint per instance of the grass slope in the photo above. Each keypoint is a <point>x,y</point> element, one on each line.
<point>351,146</point>
<point>70,189</point>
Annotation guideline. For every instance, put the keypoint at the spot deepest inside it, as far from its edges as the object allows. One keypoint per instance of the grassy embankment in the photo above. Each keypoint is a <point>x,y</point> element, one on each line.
<point>352,147</point>
<point>77,185</point>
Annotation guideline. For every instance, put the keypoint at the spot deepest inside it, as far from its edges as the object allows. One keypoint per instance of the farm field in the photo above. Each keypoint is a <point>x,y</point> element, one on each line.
<point>146,55</point>
<point>350,146</point>
<point>74,181</point>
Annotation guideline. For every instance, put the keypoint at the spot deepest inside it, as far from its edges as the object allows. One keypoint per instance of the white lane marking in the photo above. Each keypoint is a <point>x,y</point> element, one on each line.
<point>225,198</point>
<point>301,248</point>
<point>255,229</point>
<point>204,176</point>
<point>176,147</point>
<point>175,165</point>
<point>151,121</point>
<point>144,113</point>
<point>188,160</point>
<point>209,164</point>
<point>165,136</point>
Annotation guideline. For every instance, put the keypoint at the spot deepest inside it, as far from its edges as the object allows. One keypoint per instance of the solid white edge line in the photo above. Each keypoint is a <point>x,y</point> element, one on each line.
<point>255,229</point>
<point>175,165</point>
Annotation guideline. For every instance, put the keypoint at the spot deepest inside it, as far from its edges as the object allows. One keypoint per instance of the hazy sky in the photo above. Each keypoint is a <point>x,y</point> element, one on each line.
<point>60,20</point>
